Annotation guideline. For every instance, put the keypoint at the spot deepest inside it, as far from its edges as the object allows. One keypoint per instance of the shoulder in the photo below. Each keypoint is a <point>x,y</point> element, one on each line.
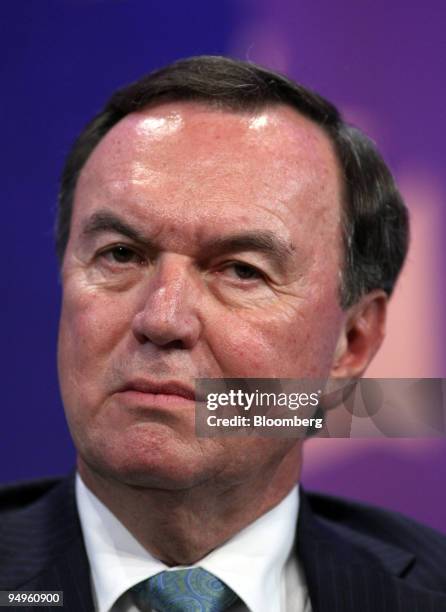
<point>41,544</point>
<point>38,524</point>
<point>36,506</point>
<point>368,521</point>
<point>21,495</point>
<point>362,533</point>
<point>358,555</point>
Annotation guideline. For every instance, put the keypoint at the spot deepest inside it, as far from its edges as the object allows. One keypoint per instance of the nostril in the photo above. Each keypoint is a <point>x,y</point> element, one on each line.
<point>178,331</point>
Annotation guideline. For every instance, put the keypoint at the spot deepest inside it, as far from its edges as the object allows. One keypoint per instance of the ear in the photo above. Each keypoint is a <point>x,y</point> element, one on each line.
<point>361,335</point>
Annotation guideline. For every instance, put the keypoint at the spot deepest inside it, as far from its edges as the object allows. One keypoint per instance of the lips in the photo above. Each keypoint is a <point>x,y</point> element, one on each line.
<point>170,388</point>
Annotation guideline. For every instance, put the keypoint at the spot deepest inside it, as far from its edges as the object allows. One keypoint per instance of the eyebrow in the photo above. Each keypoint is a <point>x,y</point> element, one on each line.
<point>262,241</point>
<point>278,250</point>
<point>103,221</point>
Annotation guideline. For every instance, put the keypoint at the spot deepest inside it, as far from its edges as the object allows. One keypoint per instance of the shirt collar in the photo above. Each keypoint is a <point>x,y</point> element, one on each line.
<point>251,562</point>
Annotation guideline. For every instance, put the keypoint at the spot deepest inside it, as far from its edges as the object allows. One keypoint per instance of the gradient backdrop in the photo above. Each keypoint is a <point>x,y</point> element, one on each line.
<point>382,63</point>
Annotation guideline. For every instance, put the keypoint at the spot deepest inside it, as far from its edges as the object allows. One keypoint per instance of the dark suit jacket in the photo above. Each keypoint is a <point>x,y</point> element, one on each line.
<point>356,558</point>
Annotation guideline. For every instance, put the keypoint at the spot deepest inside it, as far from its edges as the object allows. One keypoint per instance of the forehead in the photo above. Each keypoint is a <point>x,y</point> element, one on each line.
<point>187,159</point>
<point>271,136</point>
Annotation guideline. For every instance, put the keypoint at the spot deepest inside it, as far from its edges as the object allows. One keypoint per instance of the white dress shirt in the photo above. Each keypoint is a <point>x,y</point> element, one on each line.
<point>257,563</point>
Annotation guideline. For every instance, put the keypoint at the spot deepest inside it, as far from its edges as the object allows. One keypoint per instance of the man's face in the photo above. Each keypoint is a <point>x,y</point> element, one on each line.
<point>204,243</point>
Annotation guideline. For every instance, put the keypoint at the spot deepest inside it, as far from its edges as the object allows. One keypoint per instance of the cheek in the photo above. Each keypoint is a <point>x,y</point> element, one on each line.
<point>91,325</point>
<point>297,343</point>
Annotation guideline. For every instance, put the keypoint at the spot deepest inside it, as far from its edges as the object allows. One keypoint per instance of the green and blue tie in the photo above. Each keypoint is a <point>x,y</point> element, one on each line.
<point>188,590</point>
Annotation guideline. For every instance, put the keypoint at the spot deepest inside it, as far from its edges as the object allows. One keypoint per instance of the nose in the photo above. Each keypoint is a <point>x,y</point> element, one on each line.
<point>168,315</point>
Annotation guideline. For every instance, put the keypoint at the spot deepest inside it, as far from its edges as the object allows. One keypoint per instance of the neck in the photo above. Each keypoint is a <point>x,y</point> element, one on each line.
<point>181,527</point>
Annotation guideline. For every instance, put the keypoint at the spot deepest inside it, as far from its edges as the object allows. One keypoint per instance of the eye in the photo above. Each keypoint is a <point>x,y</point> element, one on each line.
<point>244,271</point>
<point>121,254</point>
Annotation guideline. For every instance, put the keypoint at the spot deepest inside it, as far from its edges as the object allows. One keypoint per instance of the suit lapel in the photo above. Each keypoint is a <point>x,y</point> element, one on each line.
<point>43,549</point>
<point>347,573</point>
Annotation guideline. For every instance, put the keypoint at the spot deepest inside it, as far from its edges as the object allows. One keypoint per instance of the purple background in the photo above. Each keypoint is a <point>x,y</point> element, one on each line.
<point>382,63</point>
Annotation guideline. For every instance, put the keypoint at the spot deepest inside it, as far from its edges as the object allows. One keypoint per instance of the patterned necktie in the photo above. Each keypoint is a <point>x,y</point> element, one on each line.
<point>188,590</point>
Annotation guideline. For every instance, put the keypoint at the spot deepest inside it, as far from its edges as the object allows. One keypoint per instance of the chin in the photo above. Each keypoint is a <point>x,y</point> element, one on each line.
<point>160,463</point>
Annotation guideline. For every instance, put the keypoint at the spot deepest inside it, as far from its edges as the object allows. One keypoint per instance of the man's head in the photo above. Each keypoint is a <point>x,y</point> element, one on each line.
<point>201,237</point>
<point>375,222</point>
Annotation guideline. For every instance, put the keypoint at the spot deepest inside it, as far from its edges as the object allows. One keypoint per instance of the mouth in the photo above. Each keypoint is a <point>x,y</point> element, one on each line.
<point>170,392</point>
